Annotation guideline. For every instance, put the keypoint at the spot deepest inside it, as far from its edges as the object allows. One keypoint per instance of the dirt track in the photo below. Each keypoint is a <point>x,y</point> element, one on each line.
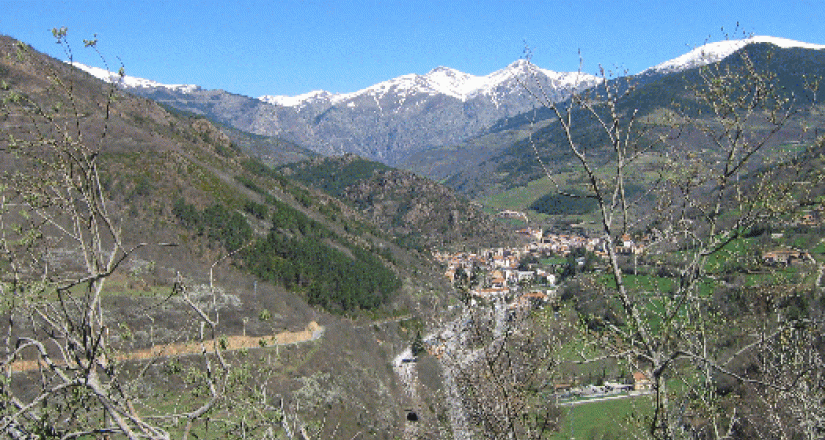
<point>311,332</point>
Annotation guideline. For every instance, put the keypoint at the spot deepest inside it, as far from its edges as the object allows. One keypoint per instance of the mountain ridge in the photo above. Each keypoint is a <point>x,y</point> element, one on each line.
<point>400,118</point>
<point>719,50</point>
<point>441,80</point>
<point>385,122</point>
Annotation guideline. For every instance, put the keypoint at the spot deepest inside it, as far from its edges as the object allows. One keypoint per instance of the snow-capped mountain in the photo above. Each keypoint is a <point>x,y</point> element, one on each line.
<point>132,82</point>
<point>394,119</point>
<point>446,81</point>
<point>384,122</point>
<point>717,51</point>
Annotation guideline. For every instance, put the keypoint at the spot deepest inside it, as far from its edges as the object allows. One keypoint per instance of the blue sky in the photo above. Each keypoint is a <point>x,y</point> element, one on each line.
<point>289,47</point>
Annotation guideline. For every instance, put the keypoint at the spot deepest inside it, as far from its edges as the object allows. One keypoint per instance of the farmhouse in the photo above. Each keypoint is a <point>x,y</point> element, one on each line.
<point>785,256</point>
<point>641,381</point>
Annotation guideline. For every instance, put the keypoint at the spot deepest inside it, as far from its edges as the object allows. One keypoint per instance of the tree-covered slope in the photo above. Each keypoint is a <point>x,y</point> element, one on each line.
<point>417,211</point>
<point>656,99</point>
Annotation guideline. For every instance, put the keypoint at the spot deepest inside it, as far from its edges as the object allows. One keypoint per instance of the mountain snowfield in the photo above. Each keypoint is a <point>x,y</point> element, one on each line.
<point>131,81</point>
<point>717,51</point>
<point>444,81</point>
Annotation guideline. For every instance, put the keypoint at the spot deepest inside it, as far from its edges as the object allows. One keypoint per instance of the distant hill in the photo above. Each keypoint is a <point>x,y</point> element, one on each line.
<point>505,158</point>
<point>414,209</point>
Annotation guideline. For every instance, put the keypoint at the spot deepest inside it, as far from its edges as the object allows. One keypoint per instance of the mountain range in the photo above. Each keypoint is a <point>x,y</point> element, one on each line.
<point>385,122</point>
<point>419,122</point>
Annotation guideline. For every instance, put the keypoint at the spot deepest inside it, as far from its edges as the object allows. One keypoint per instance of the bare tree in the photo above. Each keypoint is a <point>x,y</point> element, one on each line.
<point>711,172</point>
<point>63,377</point>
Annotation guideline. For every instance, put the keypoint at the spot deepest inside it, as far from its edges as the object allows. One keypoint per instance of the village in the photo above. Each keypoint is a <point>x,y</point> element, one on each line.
<point>526,276</point>
<point>529,271</point>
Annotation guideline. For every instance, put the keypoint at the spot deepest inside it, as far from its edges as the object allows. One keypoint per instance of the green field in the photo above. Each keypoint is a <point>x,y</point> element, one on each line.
<point>609,419</point>
<point>521,197</point>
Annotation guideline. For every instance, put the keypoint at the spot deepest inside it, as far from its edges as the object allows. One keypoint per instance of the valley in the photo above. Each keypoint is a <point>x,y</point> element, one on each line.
<point>436,256</point>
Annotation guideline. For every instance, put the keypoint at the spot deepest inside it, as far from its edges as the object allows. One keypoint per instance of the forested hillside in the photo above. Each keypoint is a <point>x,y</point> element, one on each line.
<point>420,213</point>
<point>132,234</point>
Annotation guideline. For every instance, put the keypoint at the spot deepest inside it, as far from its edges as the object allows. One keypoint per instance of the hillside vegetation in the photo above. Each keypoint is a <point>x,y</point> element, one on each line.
<point>420,213</point>
<point>206,242</point>
<point>158,281</point>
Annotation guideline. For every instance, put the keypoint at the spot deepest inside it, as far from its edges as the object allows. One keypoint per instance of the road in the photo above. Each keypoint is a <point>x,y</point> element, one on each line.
<point>607,397</point>
<point>312,332</point>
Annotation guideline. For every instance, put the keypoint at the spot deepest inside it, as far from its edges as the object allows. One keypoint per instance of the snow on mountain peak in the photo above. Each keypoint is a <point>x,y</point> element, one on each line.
<point>717,51</point>
<point>441,80</point>
<point>452,82</point>
<point>291,101</point>
<point>131,81</point>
